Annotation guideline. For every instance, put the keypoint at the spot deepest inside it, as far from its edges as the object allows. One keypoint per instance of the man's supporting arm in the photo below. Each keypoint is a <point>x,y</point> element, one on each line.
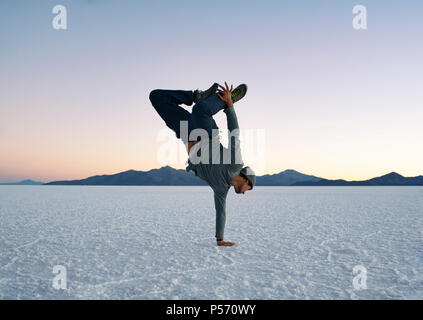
<point>220,205</point>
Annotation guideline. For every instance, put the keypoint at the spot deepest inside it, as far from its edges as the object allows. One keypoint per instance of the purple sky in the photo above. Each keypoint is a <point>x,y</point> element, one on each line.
<point>333,101</point>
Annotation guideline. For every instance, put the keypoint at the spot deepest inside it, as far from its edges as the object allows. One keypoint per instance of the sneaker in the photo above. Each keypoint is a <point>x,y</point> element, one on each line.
<point>198,94</point>
<point>239,92</point>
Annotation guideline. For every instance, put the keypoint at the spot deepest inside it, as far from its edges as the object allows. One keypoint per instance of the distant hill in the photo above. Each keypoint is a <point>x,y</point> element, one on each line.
<point>390,179</point>
<point>155,177</point>
<point>284,178</point>
<point>168,176</point>
<point>23,182</point>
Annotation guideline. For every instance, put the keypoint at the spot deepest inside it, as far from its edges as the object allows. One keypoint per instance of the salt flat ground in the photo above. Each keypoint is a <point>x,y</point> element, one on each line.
<point>158,243</point>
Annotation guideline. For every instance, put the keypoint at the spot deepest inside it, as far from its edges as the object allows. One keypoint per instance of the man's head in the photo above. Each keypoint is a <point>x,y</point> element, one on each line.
<point>244,181</point>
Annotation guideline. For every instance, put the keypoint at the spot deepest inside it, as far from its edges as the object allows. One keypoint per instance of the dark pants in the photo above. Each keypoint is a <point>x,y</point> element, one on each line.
<point>166,103</point>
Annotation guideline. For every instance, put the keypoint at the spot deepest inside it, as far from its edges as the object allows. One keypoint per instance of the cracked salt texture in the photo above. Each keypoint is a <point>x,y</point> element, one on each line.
<point>157,243</point>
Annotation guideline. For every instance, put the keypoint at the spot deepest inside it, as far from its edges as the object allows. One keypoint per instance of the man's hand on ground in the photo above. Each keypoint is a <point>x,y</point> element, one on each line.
<point>225,94</point>
<point>225,243</point>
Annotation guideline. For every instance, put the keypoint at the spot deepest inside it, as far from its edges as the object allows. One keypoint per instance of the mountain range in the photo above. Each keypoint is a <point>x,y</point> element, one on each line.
<point>179,177</point>
<point>390,179</point>
<point>165,176</point>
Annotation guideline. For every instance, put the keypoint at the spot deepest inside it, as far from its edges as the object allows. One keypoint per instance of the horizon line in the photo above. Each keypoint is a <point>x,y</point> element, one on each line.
<point>269,174</point>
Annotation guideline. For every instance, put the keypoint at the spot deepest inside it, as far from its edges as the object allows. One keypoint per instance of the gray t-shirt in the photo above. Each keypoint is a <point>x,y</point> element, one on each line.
<point>221,168</point>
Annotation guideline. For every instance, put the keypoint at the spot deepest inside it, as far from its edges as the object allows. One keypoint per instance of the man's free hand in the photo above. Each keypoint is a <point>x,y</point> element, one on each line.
<point>225,94</point>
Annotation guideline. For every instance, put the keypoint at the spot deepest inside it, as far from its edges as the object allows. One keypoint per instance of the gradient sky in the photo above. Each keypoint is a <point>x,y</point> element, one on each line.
<point>334,102</point>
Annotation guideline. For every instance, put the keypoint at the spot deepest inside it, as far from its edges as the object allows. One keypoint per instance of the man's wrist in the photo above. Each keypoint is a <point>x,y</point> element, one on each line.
<point>229,109</point>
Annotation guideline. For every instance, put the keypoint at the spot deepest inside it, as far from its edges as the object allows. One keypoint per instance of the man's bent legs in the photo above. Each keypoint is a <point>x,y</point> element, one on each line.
<point>166,103</point>
<point>203,111</point>
<point>210,106</point>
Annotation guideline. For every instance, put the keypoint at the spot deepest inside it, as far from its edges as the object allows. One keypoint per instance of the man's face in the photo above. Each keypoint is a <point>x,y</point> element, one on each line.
<point>242,187</point>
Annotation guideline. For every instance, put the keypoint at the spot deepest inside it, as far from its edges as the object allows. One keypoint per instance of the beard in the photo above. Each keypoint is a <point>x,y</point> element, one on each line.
<point>237,189</point>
